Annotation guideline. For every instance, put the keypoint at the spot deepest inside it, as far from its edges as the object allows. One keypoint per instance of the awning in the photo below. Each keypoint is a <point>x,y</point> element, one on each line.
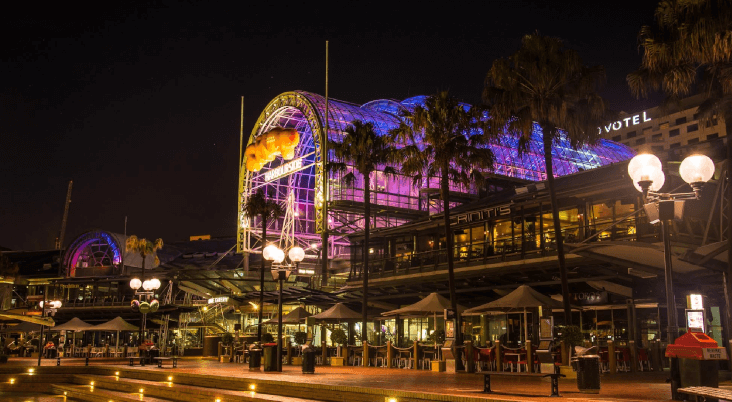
<point>74,324</point>
<point>434,303</point>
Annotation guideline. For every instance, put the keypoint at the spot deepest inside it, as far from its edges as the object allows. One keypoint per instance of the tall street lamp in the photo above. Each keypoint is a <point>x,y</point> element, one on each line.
<point>274,254</point>
<point>149,287</point>
<point>646,172</point>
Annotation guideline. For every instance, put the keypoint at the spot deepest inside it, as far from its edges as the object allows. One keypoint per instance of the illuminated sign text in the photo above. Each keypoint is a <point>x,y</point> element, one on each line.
<point>626,122</point>
<point>283,170</point>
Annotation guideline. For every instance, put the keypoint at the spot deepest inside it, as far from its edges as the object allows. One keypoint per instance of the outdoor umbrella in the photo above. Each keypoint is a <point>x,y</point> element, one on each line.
<point>116,324</point>
<point>520,299</point>
<point>75,325</point>
<point>433,304</point>
<point>338,313</point>
<point>295,316</point>
<point>22,327</point>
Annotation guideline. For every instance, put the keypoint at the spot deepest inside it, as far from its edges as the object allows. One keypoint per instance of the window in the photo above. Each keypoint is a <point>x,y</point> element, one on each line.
<point>617,138</point>
<point>630,134</point>
<point>693,141</point>
<point>673,133</point>
<point>680,120</point>
<point>647,129</point>
<point>657,148</point>
<point>663,125</point>
<point>640,141</point>
<point>657,138</point>
<point>712,136</point>
<point>692,127</point>
<point>712,122</point>
<point>696,116</point>
<point>675,145</point>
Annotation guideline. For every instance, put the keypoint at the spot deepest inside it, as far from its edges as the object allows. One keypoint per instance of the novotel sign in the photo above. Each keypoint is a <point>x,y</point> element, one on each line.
<point>283,170</point>
<point>626,122</point>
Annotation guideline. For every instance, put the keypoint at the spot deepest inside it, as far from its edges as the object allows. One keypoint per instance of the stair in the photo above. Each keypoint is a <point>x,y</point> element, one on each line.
<point>128,389</point>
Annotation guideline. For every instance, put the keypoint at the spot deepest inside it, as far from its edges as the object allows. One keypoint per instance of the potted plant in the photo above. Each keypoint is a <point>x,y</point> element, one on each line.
<point>267,338</point>
<point>338,336</point>
<point>300,339</point>
<point>572,336</point>
<point>227,340</point>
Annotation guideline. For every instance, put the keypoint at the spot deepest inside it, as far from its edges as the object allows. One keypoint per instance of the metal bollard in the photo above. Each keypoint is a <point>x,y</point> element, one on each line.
<point>87,361</point>
<point>58,360</point>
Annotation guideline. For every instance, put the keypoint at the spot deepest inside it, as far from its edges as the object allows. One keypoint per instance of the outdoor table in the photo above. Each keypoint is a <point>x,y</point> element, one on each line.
<point>518,355</point>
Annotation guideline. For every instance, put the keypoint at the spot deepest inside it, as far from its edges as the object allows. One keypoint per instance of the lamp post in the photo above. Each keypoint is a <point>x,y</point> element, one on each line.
<point>274,254</point>
<point>646,172</point>
<point>149,287</point>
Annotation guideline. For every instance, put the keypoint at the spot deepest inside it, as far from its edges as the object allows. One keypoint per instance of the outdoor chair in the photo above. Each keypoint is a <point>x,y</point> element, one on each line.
<point>604,362</point>
<point>624,360</point>
<point>643,359</point>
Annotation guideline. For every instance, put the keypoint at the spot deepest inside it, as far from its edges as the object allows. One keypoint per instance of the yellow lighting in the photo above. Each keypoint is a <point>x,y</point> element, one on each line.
<point>116,373</point>
<point>170,384</point>
<point>392,400</point>
<point>254,305</point>
<point>92,383</point>
<point>205,309</point>
<point>12,380</point>
<point>218,399</point>
<point>170,378</point>
<point>116,378</point>
<point>31,371</point>
<point>64,392</point>
<point>252,387</point>
<point>142,390</point>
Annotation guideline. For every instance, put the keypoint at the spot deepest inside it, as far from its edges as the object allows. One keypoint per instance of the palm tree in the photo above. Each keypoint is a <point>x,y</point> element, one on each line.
<point>362,150</point>
<point>259,205</point>
<point>545,83</point>
<point>691,47</point>
<point>144,247</point>
<point>443,139</point>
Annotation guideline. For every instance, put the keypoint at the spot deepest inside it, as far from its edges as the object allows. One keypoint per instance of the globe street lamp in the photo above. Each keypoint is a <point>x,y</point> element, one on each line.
<point>646,172</point>
<point>149,287</point>
<point>274,254</point>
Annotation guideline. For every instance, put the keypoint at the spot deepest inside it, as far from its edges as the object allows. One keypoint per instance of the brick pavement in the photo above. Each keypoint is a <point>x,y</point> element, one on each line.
<point>628,387</point>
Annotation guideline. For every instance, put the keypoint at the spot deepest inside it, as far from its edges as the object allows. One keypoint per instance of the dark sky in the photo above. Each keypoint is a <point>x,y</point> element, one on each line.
<point>140,104</point>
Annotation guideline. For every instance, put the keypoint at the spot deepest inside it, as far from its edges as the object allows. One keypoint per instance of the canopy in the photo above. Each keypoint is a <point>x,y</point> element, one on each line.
<point>22,327</point>
<point>116,324</point>
<point>295,316</point>
<point>434,303</point>
<point>648,257</point>
<point>521,298</point>
<point>73,324</point>
<point>47,321</point>
<point>339,312</point>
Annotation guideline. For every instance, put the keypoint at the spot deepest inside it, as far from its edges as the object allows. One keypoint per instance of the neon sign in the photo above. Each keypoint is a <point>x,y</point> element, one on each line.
<point>626,122</point>
<point>283,170</point>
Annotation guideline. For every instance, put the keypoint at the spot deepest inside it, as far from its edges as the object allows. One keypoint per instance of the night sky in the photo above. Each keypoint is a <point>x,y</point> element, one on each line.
<point>140,104</point>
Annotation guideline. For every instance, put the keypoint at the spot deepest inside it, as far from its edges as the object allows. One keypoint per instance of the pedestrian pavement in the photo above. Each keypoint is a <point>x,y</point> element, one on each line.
<point>627,387</point>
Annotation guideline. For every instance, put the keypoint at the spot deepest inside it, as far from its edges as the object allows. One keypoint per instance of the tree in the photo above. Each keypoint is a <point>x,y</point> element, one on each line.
<point>546,84</point>
<point>363,150</point>
<point>691,48</point>
<point>259,205</point>
<point>443,139</point>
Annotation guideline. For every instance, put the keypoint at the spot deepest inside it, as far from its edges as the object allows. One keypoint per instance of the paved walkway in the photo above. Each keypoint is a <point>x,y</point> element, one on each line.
<point>629,387</point>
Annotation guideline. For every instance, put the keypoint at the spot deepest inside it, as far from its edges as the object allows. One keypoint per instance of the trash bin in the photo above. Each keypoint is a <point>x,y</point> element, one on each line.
<point>270,358</point>
<point>308,359</point>
<point>694,362</point>
<point>255,357</point>
<point>588,374</point>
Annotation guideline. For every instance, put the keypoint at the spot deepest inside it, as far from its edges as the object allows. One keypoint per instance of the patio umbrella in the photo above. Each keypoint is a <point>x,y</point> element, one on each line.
<point>22,327</point>
<point>520,299</point>
<point>433,304</point>
<point>115,324</point>
<point>339,312</point>
<point>73,324</point>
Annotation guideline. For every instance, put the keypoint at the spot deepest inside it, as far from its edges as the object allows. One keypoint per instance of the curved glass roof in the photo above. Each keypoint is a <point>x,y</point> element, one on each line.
<point>383,113</point>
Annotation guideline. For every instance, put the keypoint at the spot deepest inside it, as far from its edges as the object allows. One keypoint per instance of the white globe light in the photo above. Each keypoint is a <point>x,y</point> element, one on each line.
<point>155,283</point>
<point>268,251</point>
<point>135,283</point>
<point>146,285</point>
<point>696,169</point>
<point>654,175</point>
<point>278,256</point>
<point>40,304</point>
<point>58,304</point>
<point>296,254</point>
<point>638,168</point>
